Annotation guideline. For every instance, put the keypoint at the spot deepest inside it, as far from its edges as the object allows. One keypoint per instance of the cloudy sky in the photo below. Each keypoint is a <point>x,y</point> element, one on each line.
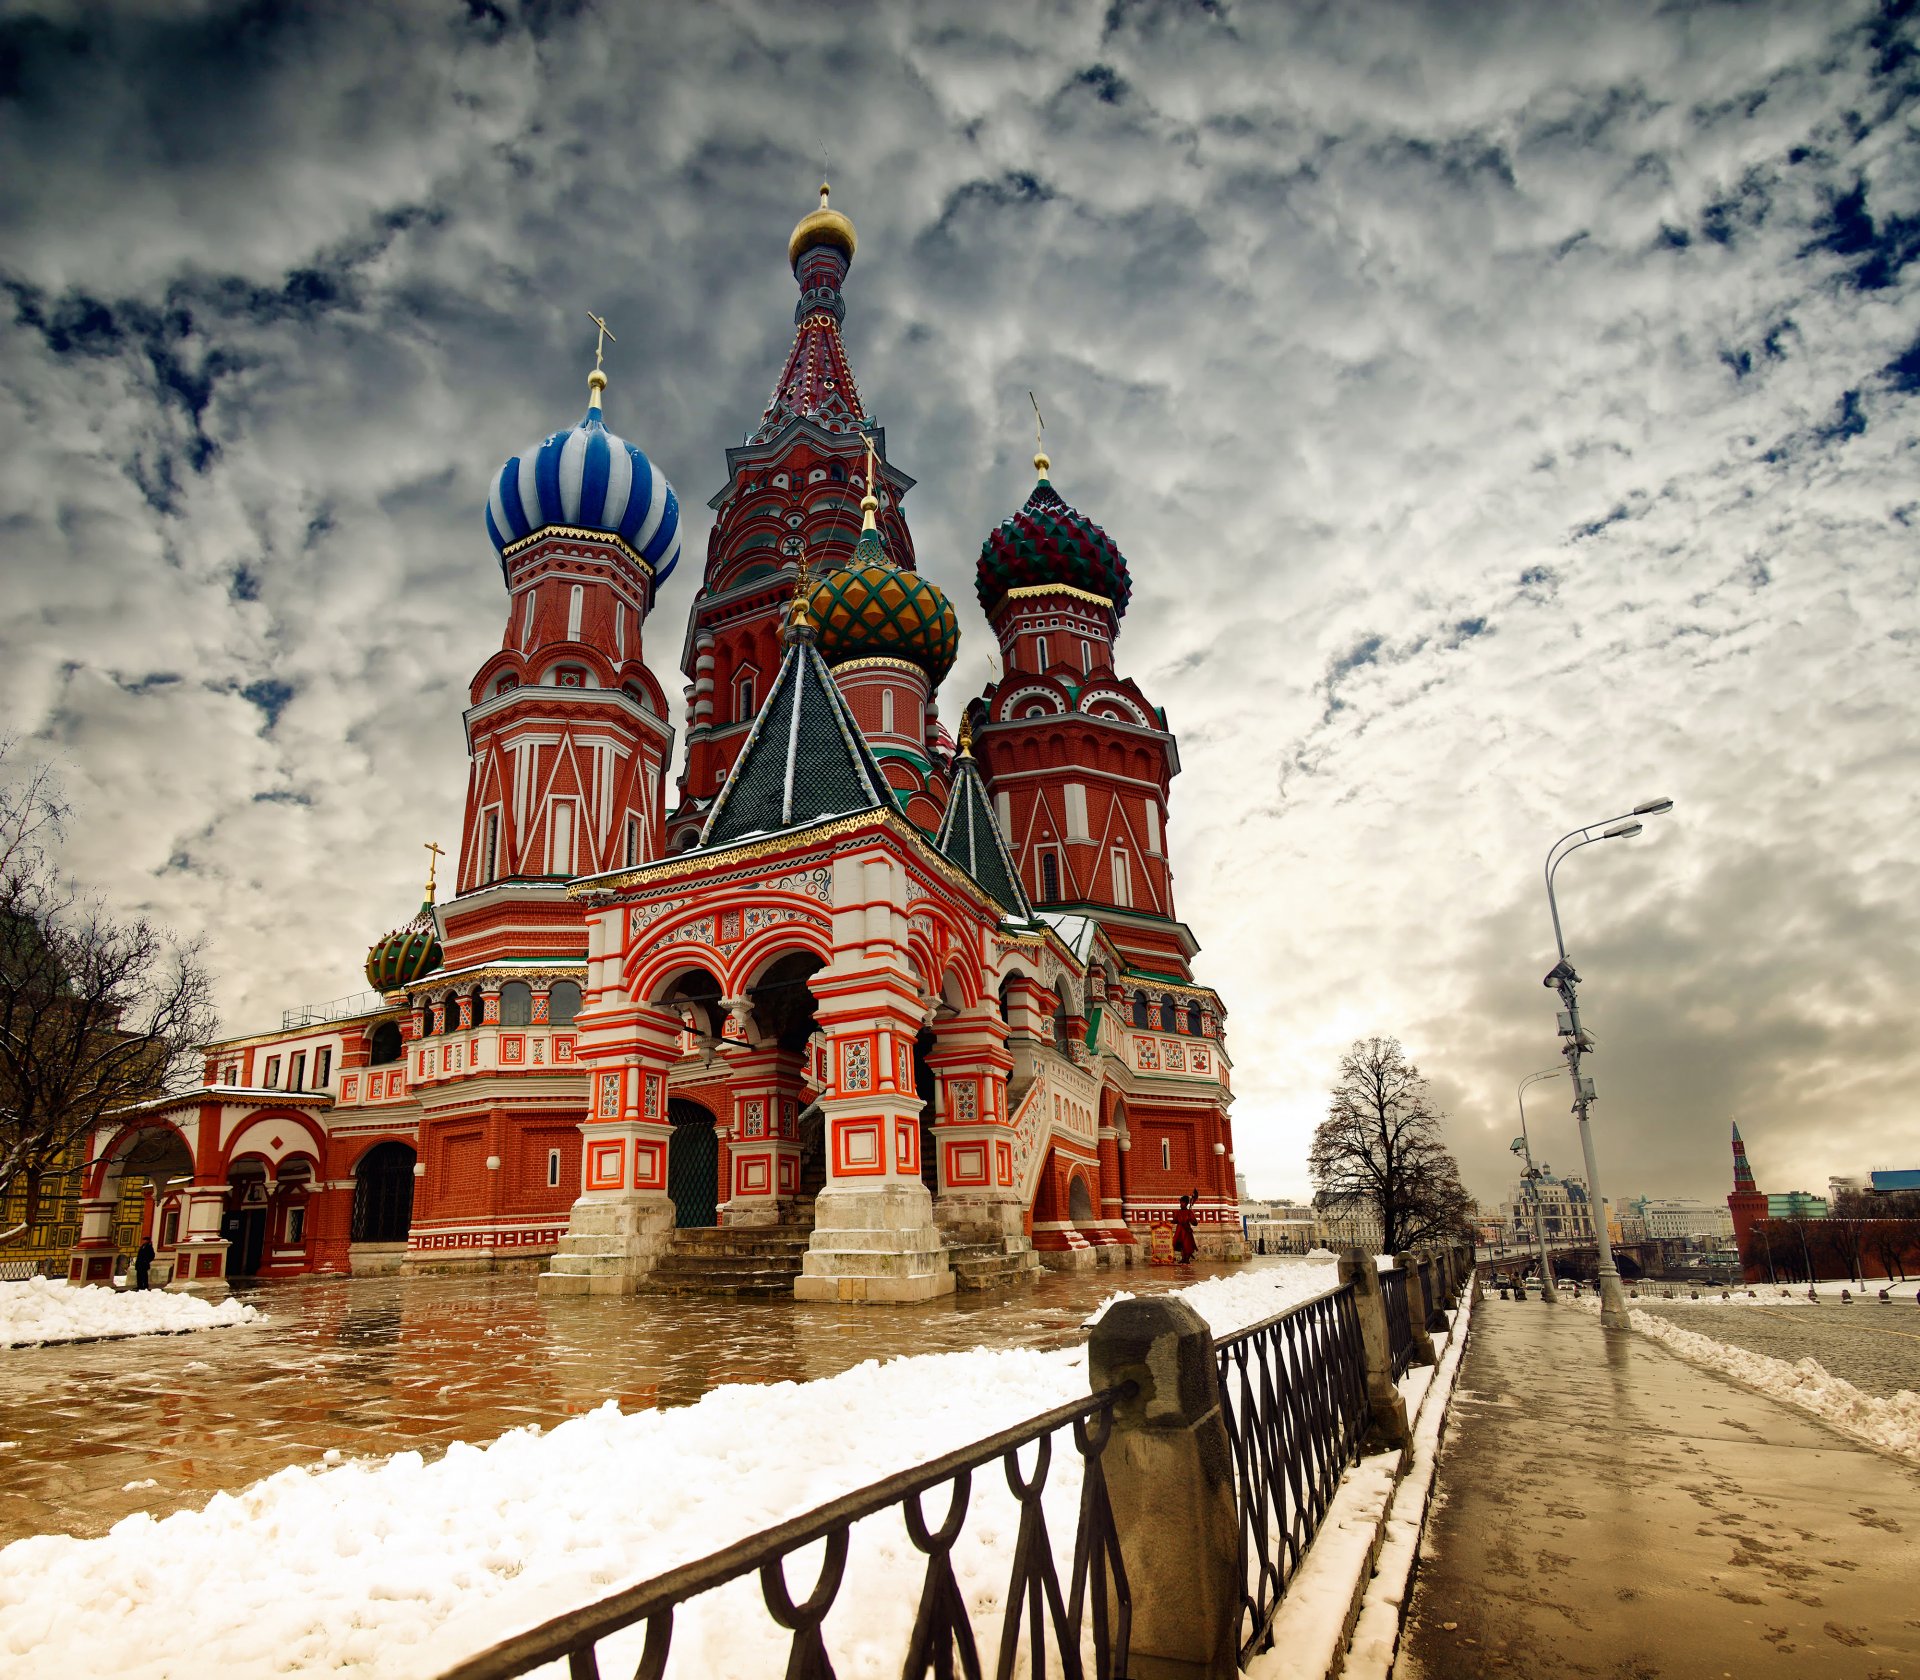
<point>1509,413</point>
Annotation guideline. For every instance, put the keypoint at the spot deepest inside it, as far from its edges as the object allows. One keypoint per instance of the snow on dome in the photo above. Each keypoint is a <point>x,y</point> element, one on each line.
<point>588,478</point>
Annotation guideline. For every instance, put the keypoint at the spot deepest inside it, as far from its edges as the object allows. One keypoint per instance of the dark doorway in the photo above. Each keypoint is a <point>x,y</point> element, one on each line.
<point>383,1194</point>
<point>923,1084</point>
<point>693,1164</point>
<point>1079,1202</point>
<point>245,1229</point>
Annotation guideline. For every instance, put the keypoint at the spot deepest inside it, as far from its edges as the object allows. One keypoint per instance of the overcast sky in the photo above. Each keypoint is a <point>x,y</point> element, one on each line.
<point>1508,413</point>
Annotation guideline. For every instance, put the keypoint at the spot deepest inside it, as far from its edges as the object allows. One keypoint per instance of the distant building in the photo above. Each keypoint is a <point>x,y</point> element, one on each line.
<point>1351,1227</point>
<point>1565,1210</point>
<point>1670,1219</point>
<point>1838,1187</point>
<point>1795,1204</point>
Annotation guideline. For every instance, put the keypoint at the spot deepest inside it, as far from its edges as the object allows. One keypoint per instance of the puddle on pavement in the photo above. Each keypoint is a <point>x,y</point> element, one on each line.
<point>380,1365</point>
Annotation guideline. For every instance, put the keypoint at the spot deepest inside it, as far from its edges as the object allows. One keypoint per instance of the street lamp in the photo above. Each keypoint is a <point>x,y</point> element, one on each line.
<point>1523,1146</point>
<point>1575,1042</point>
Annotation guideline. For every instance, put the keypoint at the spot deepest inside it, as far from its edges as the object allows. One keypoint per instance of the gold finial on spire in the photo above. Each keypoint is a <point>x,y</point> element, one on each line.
<point>433,865</point>
<point>1040,462</point>
<point>825,188</point>
<point>597,380</point>
<point>870,502</point>
<point>798,609</point>
<point>966,735</point>
<point>823,226</point>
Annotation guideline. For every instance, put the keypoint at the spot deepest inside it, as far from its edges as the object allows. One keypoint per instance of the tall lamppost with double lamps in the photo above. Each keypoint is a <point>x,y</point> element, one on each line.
<point>1574,1043</point>
<point>1523,1147</point>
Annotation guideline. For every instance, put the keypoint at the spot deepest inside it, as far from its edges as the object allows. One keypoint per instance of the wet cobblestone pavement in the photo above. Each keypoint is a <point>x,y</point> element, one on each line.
<point>93,1432</point>
<point>1871,1344</point>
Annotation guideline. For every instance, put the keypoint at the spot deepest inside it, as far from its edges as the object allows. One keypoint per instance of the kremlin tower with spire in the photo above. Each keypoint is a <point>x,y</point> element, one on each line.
<point>902,1011</point>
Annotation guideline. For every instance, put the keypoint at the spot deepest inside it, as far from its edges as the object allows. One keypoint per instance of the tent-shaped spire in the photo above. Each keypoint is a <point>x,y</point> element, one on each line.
<point>804,760</point>
<point>970,836</point>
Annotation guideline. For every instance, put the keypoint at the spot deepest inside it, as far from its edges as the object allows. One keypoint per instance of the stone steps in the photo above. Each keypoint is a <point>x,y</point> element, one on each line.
<point>736,1262</point>
<point>989,1265</point>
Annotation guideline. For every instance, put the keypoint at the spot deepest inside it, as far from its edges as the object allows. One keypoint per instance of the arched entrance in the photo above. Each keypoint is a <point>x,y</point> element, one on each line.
<point>693,1164</point>
<point>154,1159</point>
<point>1079,1201</point>
<point>383,1194</point>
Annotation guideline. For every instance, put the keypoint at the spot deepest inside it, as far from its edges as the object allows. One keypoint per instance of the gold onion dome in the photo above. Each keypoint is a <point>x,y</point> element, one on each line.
<point>825,226</point>
<point>870,608</point>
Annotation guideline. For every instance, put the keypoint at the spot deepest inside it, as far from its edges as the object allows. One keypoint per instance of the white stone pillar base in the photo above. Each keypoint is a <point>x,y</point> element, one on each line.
<point>878,1245</point>
<point>612,1242</point>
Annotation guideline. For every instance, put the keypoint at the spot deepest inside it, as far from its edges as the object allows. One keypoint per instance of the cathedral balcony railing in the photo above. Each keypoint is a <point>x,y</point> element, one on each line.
<point>338,1009</point>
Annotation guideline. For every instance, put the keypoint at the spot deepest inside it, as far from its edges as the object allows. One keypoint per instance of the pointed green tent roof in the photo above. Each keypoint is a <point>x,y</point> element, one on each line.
<point>804,761</point>
<point>970,836</point>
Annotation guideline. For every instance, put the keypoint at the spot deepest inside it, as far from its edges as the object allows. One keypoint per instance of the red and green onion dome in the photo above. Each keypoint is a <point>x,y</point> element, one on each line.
<point>1051,542</point>
<point>871,608</point>
<point>407,954</point>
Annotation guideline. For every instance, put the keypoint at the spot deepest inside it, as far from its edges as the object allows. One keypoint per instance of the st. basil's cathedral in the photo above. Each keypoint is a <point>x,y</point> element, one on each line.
<point>896,1006</point>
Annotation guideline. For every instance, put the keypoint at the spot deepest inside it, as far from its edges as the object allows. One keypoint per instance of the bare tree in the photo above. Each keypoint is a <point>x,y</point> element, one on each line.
<point>1380,1149</point>
<point>96,1012</point>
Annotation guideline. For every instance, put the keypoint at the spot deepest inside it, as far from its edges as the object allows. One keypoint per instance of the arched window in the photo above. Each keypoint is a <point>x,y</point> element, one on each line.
<point>1141,1016</point>
<point>837,473</point>
<point>1169,1018</point>
<point>516,1004</point>
<point>1193,1019</point>
<point>385,1045</point>
<point>476,1006</point>
<point>1006,999</point>
<point>743,699</point>
<point>563,1003</point>
<point>426,1019</point>
<point>1049,877</point>
<point>1059,1013</point>
<point>507,684</point>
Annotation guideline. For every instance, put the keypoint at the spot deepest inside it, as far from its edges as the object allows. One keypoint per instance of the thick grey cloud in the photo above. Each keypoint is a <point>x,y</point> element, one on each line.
<point>1508,412</point>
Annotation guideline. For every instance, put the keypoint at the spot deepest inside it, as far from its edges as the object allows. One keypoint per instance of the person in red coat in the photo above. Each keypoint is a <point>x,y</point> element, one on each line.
<point>1184,1244</point>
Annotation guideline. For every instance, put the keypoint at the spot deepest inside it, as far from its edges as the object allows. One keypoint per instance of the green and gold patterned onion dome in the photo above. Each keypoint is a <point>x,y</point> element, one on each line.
<point>871,608</point>
<point>407,954</point>
<point>1050,542</point>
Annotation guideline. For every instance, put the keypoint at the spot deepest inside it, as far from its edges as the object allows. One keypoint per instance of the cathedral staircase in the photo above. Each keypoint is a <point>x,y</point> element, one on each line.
<point>735,1262</point>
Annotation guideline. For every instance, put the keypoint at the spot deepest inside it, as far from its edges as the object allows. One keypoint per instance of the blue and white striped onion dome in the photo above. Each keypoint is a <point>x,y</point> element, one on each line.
<point>587,478</point>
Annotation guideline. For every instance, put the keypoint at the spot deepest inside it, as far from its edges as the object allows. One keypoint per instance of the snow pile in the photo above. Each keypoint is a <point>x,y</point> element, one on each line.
<point>49,1310</point>
<point>1238,1299</point>
<point>398,1567</point>
<point>1892,1424</point>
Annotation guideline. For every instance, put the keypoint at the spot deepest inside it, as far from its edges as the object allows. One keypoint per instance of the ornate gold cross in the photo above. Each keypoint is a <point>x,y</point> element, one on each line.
<point>433,864</point>
<point>606,337</point>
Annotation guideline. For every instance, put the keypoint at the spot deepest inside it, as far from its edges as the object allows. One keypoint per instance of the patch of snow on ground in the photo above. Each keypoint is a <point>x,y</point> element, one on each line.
<point>1893,1424</point>
<point>397,1567</point>
<point>52,1310</point>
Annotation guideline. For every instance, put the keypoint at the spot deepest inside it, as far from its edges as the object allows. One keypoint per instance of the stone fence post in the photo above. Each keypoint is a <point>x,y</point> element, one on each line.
<point>1433,1277</point>
<point>1389,1409</point>
<point>1169,1467</point>
<point>1423,1353</point>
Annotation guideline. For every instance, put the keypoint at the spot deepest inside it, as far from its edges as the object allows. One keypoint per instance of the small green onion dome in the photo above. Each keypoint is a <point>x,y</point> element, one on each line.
<point>872,608</point>
<point>1050,542</point>
<point>407,954</point>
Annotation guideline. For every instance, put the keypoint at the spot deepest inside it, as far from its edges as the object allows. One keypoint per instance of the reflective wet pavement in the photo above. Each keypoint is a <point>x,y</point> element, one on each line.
<point>380,1365</point>
<point>1603,1508</point>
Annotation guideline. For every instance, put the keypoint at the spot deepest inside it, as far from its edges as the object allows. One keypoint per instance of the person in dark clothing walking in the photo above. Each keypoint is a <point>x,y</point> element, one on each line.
<point>143,1263</point>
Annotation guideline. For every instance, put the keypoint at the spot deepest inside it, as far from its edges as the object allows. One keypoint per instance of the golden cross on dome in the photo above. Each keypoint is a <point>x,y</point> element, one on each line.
<point>433,865</point>
<point>597,380</point>
<point>606,337</point>
<point>1040,461</point>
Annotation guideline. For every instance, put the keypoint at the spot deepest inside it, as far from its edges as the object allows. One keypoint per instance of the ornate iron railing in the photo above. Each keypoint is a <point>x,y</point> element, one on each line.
<point>1293,1391</point>
<point>1393,1285</point>
<point>1091,1617</point>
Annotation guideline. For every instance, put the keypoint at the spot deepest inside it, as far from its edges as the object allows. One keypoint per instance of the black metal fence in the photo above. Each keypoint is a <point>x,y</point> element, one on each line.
<point>1294,1400</point>
<point>1294,1394</point>
<point>1393,1285</point>
<point>1081,1623</point>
